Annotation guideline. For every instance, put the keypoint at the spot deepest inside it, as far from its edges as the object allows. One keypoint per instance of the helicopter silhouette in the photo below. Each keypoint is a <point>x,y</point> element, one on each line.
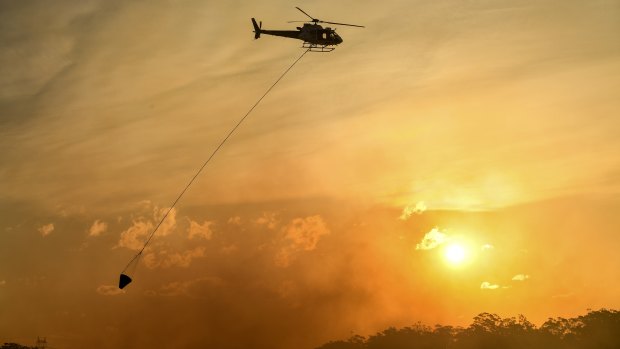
<point>315,38</point>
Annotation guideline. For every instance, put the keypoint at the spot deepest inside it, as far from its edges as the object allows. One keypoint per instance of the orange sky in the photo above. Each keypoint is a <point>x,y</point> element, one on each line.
<point>499,122</point>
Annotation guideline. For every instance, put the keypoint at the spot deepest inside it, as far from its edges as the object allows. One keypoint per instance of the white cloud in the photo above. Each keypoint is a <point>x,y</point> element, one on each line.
<point>46,229</point>
<point>432,239</point>
<point>97,228</point>
<point>520,277</point>
<point>411,209</point>
<point>108,290</point>
<point>488,286</point>
<point>197,230</point>
<point>487,247</point>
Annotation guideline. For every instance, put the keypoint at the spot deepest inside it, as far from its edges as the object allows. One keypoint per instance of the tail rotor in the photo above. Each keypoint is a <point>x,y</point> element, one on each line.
<point>257,28</point>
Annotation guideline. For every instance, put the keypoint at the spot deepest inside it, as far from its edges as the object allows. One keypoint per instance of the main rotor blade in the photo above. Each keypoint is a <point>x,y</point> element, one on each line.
<point>350,25</point>
<point>302,11</point>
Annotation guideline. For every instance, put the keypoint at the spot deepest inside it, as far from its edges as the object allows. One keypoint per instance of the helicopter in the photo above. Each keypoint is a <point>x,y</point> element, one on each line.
<point>315,38</point>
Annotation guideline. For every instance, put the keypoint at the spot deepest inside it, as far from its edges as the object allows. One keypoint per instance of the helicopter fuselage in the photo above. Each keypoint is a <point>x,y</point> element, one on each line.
<point>310,33</point>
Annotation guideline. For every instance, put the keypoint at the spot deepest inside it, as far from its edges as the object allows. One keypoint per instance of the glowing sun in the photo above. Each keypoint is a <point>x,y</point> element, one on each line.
<point>455,254</point>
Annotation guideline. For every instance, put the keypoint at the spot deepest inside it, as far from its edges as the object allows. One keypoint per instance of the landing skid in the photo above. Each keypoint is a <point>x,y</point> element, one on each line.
<point>317,47</point>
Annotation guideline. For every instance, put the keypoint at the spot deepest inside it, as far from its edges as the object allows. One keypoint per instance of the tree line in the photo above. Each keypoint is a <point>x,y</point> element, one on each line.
<point>598,329</point>
<point>15,346</point>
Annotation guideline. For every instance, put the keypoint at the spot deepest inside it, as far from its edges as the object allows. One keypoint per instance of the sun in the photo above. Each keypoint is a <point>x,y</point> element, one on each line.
<point>455,254</point>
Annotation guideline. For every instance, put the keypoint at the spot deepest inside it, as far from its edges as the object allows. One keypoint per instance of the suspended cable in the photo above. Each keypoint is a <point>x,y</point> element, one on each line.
<point>127,280</point>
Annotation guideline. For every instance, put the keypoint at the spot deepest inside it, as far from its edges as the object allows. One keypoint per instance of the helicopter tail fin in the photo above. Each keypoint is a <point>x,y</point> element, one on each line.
<point>257,28</point>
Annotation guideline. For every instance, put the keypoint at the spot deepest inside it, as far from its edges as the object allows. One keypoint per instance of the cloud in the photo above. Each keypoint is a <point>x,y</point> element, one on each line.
<point>411,209</point>
<point>2,282</point>
<point>301,234</point>
<point>485,285</point>
<point>46,229</point>
<point>97,228</point>
<point>520,277</point>
<point>166,259</point>
<point>164,252</point>
<point>108,290</point>
<point>168,225</point>
<point>190,288</point>
<point>236,220</point>
<point>268,219</point>
<point>134,237</point>
<point>197,230</point>
<point>563,295</point>
<point>432,239</point>
<point>305,233</point>
<point>487,247</point>
<point>229,249</point>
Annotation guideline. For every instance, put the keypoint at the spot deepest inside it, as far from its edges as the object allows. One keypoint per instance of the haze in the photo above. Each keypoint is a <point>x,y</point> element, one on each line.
<point>490,126</point>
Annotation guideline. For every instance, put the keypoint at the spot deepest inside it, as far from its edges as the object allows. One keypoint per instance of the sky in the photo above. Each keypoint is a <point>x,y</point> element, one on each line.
<point>451,158</point>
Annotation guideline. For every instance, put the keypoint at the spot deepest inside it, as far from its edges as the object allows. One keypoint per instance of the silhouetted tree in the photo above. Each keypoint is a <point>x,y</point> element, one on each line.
<point>14,346</point>
<point>596,330</point>
<point>355,342</point>
<point>416,336</point>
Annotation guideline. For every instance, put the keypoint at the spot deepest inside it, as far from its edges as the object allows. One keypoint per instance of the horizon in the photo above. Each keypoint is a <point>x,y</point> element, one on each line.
<point>553,327</point>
